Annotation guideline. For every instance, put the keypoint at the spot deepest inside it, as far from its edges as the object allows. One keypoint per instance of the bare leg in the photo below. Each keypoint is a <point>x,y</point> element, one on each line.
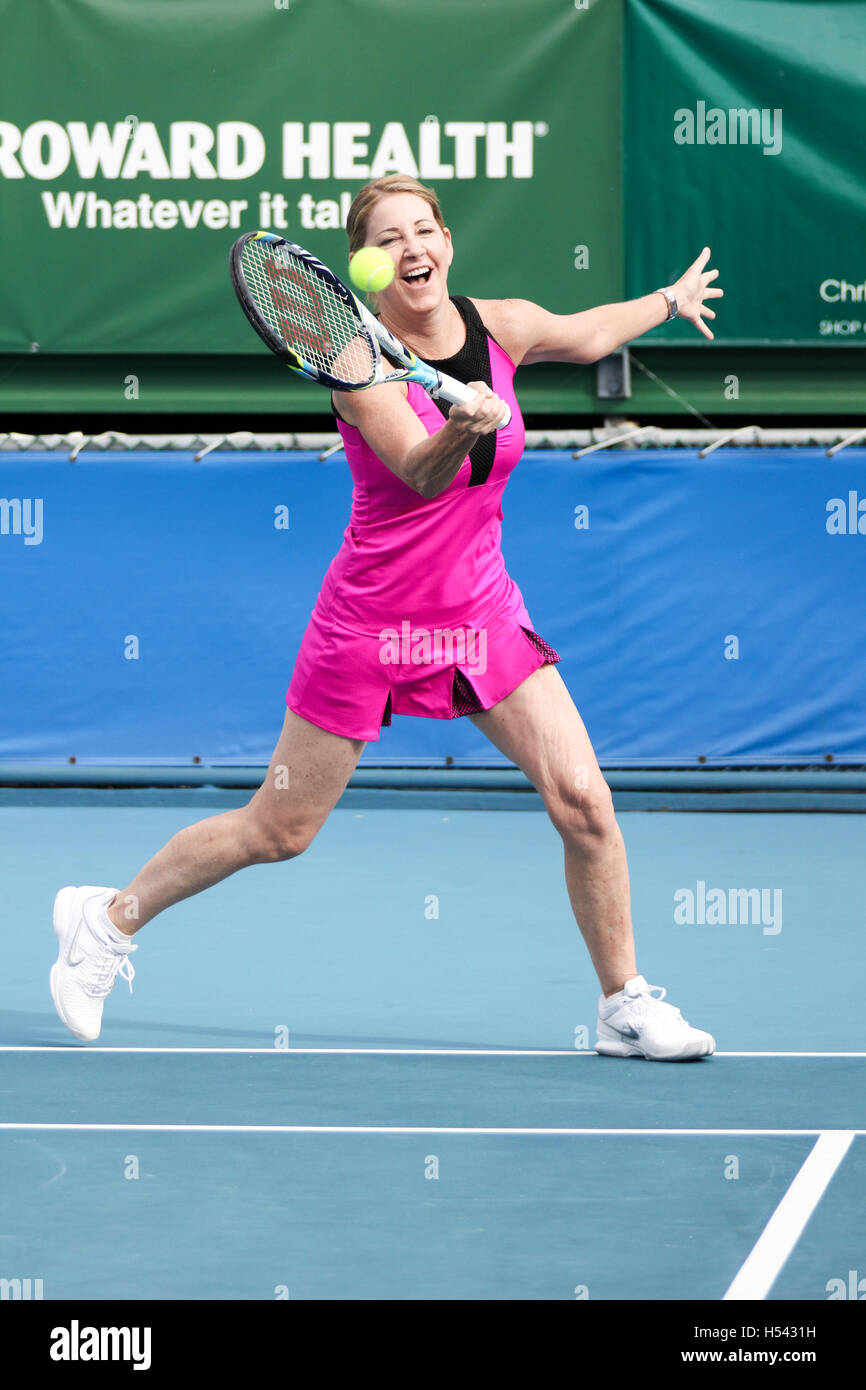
<point>539,729</point>
<point>306,777</point>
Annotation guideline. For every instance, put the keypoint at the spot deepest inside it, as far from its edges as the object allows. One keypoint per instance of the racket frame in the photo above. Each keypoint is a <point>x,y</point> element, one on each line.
<point>409,366</point>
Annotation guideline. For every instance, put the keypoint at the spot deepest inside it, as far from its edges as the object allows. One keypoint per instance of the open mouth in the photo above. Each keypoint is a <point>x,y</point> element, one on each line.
<point>419,276</point>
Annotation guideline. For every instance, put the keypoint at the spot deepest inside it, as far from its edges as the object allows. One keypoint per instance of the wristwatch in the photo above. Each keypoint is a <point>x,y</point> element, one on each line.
<point>672,303</point>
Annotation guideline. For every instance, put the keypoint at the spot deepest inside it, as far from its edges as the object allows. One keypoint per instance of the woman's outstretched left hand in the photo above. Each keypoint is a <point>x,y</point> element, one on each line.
<point>692,288</point>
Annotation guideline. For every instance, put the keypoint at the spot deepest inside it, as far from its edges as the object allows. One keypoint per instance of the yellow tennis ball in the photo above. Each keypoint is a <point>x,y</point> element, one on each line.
<point>371,269</point>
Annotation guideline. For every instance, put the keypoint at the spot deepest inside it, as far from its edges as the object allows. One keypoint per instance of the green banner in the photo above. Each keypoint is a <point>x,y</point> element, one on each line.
<point>745,133</point>
<point>583,150</point>
<point>138,140</point>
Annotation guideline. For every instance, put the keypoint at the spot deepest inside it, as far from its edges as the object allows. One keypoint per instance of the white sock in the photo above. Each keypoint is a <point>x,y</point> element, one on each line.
<point>112,932</point>
<point>615,1000</point>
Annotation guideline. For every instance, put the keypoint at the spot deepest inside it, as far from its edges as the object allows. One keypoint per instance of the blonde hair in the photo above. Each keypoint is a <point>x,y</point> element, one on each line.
<point>367,197</point>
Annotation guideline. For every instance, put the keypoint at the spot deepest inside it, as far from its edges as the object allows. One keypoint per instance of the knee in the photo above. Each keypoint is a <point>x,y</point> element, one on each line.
<point>273,841</point>
<point>584,816</point>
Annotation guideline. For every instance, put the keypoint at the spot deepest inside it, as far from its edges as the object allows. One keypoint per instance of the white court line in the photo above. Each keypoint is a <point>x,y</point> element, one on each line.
<point>404,1129</point>
<point>786,1225</point>
<point>72,1049</point>
<point>328,1051</point>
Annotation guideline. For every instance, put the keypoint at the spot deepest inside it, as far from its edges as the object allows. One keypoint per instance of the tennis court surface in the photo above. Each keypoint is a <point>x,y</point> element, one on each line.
<point>367,1073</point>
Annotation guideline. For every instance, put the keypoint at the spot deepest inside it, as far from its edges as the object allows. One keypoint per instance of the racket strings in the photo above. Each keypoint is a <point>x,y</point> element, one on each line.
<point>309,316</point>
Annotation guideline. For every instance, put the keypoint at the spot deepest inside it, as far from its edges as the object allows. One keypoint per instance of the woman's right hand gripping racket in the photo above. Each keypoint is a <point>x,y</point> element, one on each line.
<point>314,323</point>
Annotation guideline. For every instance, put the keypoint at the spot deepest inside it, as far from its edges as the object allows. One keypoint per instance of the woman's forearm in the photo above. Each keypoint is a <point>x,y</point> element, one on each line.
<point>431,465</point>
<point>617,324</point>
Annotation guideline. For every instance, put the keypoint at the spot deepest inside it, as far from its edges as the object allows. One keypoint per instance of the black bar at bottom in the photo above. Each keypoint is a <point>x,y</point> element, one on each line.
<point>68,1338</point>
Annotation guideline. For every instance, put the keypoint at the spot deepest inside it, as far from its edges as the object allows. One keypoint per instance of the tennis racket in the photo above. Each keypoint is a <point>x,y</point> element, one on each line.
<point>314,323</point>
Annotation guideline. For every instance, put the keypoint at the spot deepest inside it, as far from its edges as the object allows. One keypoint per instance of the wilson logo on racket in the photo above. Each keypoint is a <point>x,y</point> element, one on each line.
<point>292,295</point>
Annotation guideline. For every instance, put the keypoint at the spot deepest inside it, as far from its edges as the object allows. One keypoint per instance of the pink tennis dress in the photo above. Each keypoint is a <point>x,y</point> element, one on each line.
<point>417,614</point>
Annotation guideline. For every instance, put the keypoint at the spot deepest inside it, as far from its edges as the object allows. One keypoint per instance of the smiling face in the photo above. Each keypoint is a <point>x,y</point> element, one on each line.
<point>403,225</point>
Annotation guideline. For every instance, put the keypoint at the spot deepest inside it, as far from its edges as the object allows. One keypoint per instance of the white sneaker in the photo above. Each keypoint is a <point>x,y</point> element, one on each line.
<point>89,961</point>
<point>635,1023</point>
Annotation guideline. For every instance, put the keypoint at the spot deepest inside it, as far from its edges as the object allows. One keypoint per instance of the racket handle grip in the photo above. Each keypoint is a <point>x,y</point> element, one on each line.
<point>460,394</point>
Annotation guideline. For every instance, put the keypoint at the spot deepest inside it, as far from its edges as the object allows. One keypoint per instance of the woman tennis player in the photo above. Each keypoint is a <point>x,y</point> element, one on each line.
<point>421,556</point>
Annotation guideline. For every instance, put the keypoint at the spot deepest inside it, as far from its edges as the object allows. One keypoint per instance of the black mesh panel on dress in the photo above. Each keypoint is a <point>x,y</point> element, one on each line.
<point>471,363</point>
<point>463,697</point>
<point>550,656</point>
